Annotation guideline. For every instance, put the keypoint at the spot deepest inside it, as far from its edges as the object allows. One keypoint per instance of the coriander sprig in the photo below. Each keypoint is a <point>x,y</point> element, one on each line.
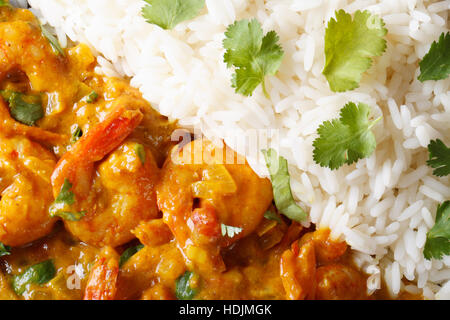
<point>347,139</point>
<point>439,158</point>
<point>435,65</point>
<point>253,54</point>
<point>168,13</point>
<point>350,46</point>
<point>438,238</point>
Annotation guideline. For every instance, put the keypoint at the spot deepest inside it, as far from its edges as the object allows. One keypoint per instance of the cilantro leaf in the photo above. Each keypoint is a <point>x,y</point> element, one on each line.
<point>4,3</point>
<point>439,158</point>
<point>438,238</point>
<point>4,250</point>
<point>26,109</point>
<point>61,206</point>
<point>229,231</point>
<point>349,46</point>
<point>39,273</point>
<point>52,40</point>
<point>253,55</point>
<point>92,97</point>
<point>183,289</point>
<point>282,193</point>
<point>435,65</point>
<point>140,152</point>
<point>270,215</point>
<point>76,135</point>
<point>345,140</point>
<point>168,13</point>
<point>65,195</point>
<point>127,254</point>
<point>69,216</point>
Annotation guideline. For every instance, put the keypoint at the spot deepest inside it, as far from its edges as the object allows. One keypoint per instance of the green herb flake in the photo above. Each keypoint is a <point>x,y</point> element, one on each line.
<point>127,254</point>
<point>65,195</point>
<point>4,250</point>
<point>230,231</point>
<point>92,97</point>
<point>183,289</point>
<point>26,109</point>
<point>39,273</point>
<point>69,216</point>
<point>270,215</point>
<point>76,135</point>
<point>347,139</point>
<point>140,152</point>
<point>282,194</point>
<point>52,40</point>
<point>253,54</point>
<point>349,47</point>
<point>439,158</point>
<point>438,238</point>
<point>61,206</point>
<point>4,3</point>
<point>168,13</point>
<point>435,65</point>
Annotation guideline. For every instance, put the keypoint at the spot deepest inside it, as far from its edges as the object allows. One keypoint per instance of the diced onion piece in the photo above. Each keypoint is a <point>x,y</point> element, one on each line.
<point>216,180</point>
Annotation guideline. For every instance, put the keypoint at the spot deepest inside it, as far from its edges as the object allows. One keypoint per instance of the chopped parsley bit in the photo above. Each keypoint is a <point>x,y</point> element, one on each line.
<point>61,206</point>
<point>140,152</point>
<point>168,13</point>
<point>52,40</point>
<point>439,158</point>
<point>69,216</point>
<point>77,134</point>
<point>229,230</point>
<point>183,289</point>
<point>127,254</point>
<point>26,109</point>
<point>282,194</point>
<point>349,47</point>
<point>65,195</point>
<point>253,54</point>
<point>270,215</point>
<point>347,139</point>
<point>4,3</point>
<point>4,250</point>
<point>438,238</point>
<point>39,273</point>
<point>92,97</point>
<point>435,65</point>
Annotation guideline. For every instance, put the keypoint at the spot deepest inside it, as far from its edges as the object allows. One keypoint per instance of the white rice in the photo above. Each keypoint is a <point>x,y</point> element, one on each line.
<point>382,206</point>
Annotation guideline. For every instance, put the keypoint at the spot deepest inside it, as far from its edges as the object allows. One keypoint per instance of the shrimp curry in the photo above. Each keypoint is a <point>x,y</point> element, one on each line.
<point>99,202</point>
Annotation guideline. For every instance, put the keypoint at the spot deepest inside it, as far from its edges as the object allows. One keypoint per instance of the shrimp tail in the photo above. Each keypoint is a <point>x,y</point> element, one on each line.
<point>102,283</point>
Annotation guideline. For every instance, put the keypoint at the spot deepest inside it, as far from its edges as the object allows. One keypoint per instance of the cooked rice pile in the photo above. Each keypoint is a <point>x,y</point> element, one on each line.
<point>382,206</point>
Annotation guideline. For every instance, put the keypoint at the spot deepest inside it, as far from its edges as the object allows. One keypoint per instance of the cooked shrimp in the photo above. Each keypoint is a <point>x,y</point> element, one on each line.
<point>25,189</point>
<point>23,47</point>
<point>327,250</point>
<point>102,283</point>
<point>117,193</point>
<point>297,270</point>
<point>198,193</point>
<point>151,266</point>
<point>340,282</point>
<point>304,277</point>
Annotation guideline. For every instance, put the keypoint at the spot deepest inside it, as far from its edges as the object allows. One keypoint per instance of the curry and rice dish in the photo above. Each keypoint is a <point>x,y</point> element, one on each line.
<point>106,193</point>
<point>87,180</point>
